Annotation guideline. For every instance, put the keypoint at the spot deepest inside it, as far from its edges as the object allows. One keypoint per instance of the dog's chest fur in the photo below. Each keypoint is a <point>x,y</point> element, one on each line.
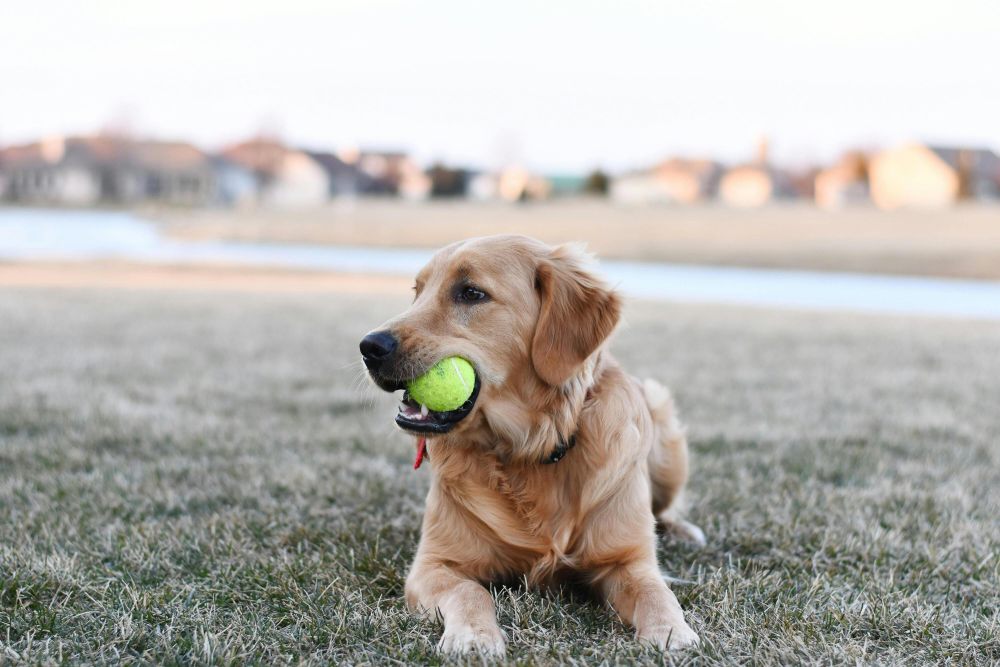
<point>530,522</point>
<point>534,520</point>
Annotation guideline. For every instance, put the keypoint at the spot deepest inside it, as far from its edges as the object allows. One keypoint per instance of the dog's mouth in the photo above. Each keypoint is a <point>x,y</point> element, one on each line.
<point>413,416</point>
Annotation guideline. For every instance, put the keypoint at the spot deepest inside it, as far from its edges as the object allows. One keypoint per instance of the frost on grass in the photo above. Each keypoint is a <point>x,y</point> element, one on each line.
<point>208,478</point>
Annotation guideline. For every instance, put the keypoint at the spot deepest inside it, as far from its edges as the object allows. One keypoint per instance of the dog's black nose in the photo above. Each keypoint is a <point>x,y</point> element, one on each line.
<point>377,347</point>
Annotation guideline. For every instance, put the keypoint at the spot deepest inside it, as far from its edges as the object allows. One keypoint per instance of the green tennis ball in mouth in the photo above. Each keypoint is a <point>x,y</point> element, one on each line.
<point>445,386</point>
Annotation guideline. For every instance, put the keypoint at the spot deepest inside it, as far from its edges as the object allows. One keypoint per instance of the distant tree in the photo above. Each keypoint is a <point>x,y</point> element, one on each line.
<point>446,182</point>
<point>597,183</point>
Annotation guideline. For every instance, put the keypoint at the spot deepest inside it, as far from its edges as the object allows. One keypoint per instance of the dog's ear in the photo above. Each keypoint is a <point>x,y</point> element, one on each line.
<point>578,312</point>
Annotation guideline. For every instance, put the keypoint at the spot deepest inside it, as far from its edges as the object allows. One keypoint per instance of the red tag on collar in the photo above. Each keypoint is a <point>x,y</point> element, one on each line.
<point>421,452</point>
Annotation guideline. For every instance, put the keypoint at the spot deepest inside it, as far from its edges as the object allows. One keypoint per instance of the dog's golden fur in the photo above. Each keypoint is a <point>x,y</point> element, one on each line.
<point>496,511</point>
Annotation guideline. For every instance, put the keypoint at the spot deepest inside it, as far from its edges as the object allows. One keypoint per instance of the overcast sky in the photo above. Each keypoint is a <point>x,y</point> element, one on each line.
<point>559,86</point>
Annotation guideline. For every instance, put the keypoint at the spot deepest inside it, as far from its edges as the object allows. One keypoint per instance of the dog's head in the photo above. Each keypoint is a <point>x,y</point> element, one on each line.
<point>526,315</point>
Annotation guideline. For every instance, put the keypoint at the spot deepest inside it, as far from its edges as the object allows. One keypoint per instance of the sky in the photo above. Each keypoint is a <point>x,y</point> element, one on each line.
<point>558,86</point>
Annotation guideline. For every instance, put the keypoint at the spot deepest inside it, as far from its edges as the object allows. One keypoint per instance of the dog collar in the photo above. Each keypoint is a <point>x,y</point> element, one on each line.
<point>557,454</point>
<point>560,450</point>
<point>564,446</point>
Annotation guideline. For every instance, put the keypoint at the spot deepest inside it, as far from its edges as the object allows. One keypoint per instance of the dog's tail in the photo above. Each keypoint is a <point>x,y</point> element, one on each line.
<point>668,459</point>
<point>660,404</point>
<point>668,463</point>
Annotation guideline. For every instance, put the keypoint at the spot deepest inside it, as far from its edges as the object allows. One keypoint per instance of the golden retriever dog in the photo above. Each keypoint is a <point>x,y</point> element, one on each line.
<point>559,465</point>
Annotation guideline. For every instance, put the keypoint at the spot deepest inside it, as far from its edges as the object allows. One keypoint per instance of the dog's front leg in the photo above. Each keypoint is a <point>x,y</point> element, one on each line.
<point>465,606</point>
<point>640,596</point>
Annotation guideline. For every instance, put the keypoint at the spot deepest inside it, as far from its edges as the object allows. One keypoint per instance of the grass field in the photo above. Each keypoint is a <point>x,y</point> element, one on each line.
<point>196,477</point>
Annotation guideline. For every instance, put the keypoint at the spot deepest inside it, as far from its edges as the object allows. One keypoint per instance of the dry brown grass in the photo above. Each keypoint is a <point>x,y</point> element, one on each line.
<point>960,242</point>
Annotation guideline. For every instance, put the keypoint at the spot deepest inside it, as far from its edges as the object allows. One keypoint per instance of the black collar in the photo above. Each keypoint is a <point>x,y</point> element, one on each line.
<point>560,450</point>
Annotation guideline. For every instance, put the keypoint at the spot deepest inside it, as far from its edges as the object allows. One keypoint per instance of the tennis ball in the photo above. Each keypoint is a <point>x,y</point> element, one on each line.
<point>445,386</point>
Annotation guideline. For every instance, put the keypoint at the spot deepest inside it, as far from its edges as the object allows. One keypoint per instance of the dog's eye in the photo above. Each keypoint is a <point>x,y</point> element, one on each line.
<point>470,294</point>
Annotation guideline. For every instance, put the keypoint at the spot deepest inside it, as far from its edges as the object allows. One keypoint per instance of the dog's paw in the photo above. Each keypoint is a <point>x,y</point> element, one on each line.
<point>466,639</point>
<point>690,533</point>
<point>682,530</point>
<point>676,636</point>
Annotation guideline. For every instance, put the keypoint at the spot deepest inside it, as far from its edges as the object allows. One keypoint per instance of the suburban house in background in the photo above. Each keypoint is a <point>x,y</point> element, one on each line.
<point>119,170</point>
<point>292,178</point>
<point>345,180</point>
<point>757,183</point>
<point>83,171</point>
<point>752,185</point>
<point>844,183</point>
<point>172,172</point>
<point>916,175</point>
<point>515,183</point>
<point>52,171</point>
<point>390,173</point>
<point>677,180</point>
<point>483,186</point>
<point>511,184</point>
<point>566,185</point>
<point>285,177</point>
<point>235,185</point>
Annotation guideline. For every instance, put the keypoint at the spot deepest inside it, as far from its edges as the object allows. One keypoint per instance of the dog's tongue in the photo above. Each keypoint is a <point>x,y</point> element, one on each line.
<point>421,452</point>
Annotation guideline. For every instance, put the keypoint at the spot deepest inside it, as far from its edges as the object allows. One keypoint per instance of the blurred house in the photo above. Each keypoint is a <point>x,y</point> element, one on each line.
<point>484,186</point>
<point>675,181</point>
<point>916,175</point>
<point>752,185</point>
<point>386,169</point>
<point>637,187</point>
<point>414,184</point>
<point>169,172</point>
<point>519,184</point>
<point>345,180</point>
<point>390,173</point>
<point>844,183</point>
<point>235,185</point>
<point>86,170</point>
<point>285,177</point>
<point>689,181</point>
<point>510,184</point>
<point>54,171</point>
<point>298,182</point>
<point>802,182</point>
<point>566,185</point>
<point>757,183</point>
